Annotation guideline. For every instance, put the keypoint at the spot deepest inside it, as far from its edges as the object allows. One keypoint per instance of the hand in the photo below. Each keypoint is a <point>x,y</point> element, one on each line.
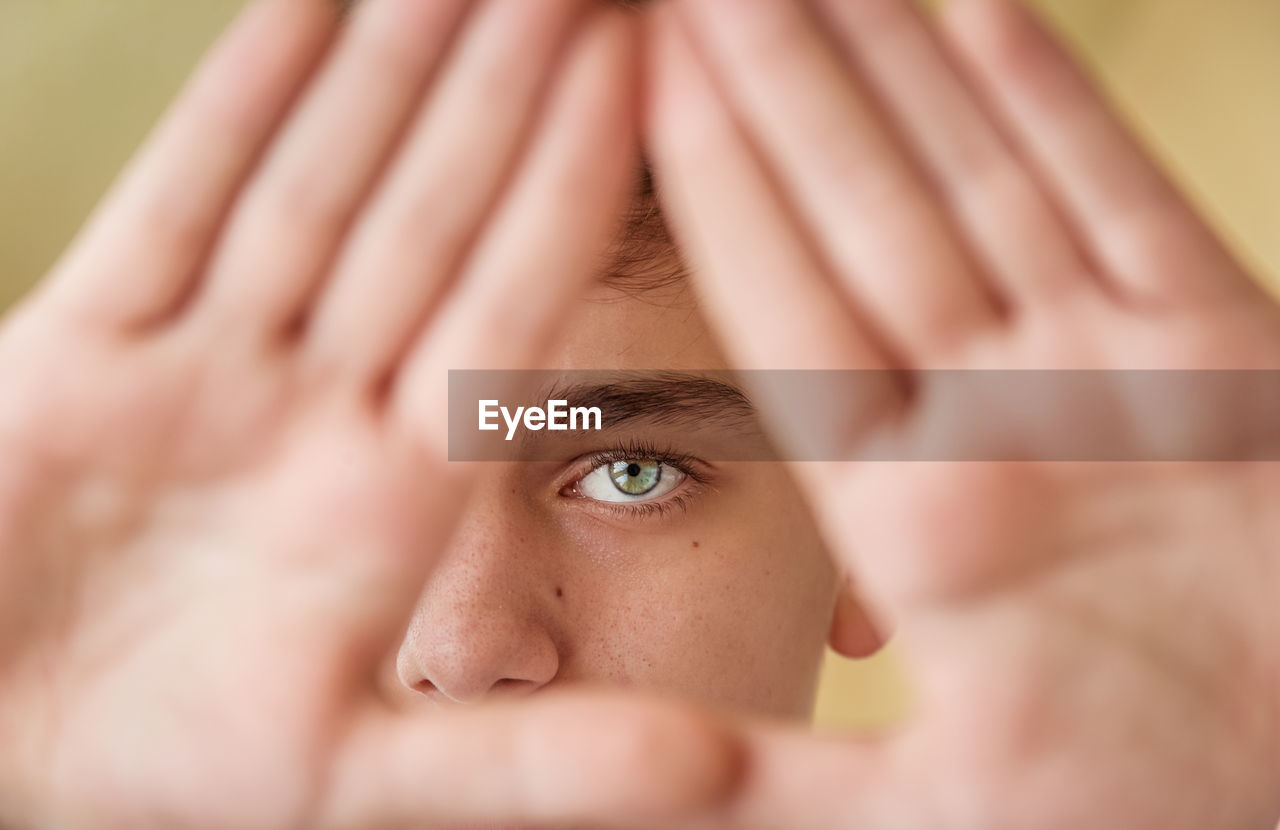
<point>1092,644</point>
<point>222,427</point>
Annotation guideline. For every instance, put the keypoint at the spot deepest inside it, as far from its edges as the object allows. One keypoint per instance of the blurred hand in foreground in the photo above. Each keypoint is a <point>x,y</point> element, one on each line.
<point>223,423</point>
<point>223,419</point>
<point>1091,644</point>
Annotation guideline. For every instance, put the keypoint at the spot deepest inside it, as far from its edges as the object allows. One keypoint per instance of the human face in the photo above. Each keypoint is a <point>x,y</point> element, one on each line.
<point>718,591</point>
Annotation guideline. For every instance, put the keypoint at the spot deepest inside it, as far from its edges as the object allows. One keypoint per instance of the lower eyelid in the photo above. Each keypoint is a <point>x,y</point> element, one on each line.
<point>648,509</point>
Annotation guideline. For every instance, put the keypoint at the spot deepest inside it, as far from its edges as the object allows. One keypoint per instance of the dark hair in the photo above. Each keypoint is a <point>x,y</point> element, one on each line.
<point>644,256</point>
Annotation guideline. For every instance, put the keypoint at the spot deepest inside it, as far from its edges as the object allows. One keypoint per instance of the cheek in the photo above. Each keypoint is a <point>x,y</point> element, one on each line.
<point>734,621</point>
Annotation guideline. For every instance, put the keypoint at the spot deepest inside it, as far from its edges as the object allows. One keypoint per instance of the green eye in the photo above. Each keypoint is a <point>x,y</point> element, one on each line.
<point>629,480</point>
<point>635,478</point>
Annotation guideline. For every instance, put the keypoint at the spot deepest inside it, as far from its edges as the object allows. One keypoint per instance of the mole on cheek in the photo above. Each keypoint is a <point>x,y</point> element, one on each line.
<point>559,591</point>
<point>695,543</point>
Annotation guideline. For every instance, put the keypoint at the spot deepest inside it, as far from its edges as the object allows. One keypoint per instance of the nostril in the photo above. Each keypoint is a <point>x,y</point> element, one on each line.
<point>508,686</point>
<point>427,689</point>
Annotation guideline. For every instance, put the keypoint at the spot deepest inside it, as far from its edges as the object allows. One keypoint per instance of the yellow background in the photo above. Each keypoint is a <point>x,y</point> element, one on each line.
<point>82,80</point>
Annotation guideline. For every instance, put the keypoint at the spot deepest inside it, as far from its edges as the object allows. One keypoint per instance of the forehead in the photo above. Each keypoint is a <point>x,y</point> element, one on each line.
<point>642,313</point>
<point>656,328</point>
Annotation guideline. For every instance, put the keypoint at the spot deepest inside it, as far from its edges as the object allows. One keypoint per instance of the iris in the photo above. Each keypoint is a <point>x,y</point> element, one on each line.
<point>635,478</point>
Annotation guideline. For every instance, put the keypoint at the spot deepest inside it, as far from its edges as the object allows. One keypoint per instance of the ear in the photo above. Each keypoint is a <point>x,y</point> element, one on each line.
<point>853,634</point>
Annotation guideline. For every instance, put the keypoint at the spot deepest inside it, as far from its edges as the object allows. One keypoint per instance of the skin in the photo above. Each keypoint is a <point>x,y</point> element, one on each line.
<point>1089,642</point>
<point>716,601</point>
<point>209,369</point>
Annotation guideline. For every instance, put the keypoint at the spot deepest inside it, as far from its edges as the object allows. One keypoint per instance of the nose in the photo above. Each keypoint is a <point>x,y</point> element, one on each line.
<point>482,625</point>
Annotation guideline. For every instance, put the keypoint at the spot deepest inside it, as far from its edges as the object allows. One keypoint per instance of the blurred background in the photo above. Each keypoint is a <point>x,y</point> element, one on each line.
<point>81,81</point>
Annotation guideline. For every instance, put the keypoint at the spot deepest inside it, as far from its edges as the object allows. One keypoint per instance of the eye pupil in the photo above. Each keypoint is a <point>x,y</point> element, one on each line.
<point>635,478</point>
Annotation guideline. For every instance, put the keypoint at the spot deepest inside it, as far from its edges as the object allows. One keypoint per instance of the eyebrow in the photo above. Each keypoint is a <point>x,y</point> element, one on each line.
<point>663,398</point>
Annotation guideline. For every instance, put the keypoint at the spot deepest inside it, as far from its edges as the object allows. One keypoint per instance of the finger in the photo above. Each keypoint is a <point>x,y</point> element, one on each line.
<point>794,779</point>
<point>295,213</point>
<point>868,209</point>
<point>1130,216</point>
<point>139,256</point>
<point>415,235</point>
<point>560,760</point>
<point>1009,223</point>
<point>546,238</point>
<point>762,288</point>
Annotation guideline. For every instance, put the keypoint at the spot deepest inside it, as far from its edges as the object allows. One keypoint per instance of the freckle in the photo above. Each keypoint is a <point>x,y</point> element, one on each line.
<point>695,543</point>
<point>559,591</point>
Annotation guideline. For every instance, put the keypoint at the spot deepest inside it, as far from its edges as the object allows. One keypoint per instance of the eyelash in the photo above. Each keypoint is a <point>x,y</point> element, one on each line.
<point>688,465</point>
